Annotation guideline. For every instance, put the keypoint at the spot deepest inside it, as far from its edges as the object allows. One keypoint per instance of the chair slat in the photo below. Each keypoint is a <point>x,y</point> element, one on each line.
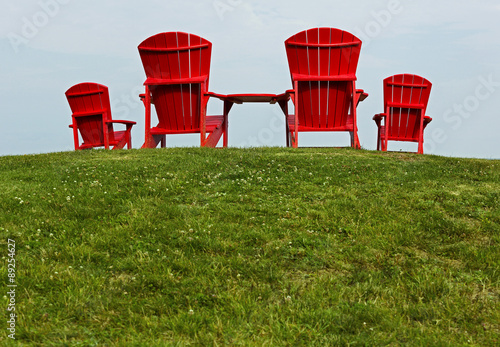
<point>178,84</point>
<point>324,60</point>
<point>91,111</point>
<point>405,101</point>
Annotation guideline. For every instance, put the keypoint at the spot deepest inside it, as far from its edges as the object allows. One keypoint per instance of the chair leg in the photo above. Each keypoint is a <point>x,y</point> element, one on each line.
<point>149,143</point>
<point>354,140</point>
<point>158,139</point>
<point>378,139</point>
<point>421,147</point>
<point>129,139</point>
<point>225,133</point>
<point>75,134</point>
<point>386,138</point>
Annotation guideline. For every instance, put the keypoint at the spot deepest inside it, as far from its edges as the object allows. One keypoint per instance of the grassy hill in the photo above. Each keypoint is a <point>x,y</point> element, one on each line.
<point>270,246</point>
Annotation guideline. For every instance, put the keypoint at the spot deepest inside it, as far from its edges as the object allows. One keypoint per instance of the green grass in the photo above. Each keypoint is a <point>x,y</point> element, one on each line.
<point>267,246</point>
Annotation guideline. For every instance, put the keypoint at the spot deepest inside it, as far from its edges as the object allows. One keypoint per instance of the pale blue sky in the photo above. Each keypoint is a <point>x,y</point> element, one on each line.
<point>46,46</point>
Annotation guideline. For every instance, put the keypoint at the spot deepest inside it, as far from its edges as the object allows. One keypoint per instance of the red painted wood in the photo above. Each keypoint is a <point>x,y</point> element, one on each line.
<point>323,63</point>
<point>177,67</point>
<point>91,115</point>
<point>251,97</point>
<point>405,103</point>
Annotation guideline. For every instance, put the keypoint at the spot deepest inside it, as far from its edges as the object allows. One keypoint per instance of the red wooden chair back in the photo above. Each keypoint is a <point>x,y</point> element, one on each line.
<point>89,103</point>
<point>323,61</point>
<point>405,102</point>
<point>177,67</point>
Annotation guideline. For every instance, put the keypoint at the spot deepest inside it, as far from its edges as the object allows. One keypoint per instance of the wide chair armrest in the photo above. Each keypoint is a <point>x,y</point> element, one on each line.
<point>290,95</point>
<point>378,118</point>
<point>222,97</point>
<point>427,120</point>
<point>143,98</point>
<point>362,94</point>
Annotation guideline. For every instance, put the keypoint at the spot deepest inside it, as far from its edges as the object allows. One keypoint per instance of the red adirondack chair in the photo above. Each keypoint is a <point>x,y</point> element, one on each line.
<point>91,116</point>
<point>323,63</point>
<point>177,67</point>
<point>405,104</point>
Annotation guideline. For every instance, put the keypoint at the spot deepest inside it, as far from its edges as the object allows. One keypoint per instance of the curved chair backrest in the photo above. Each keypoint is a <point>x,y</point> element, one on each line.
<point>405,101</point>
<point>323,52</point>
<point>177,66</point>
<point>175,56</point>
<point>90,105</point>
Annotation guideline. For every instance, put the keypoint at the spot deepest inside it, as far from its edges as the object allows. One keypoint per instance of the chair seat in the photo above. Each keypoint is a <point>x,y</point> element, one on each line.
<point>118,135</point>
<point>396,138</point>
<point>427,120</point>
<point>212,123</point>
<point>291,125</point>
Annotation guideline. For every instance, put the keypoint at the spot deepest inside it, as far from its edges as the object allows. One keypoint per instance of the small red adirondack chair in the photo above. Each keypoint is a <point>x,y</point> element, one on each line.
<point>177,67</point>
<point>91,116</point>
<point>323,63</point>
<point>405,104</point>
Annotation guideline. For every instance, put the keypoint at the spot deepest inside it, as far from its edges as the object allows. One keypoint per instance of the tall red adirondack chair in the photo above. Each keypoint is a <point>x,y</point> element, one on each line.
<point>405,104</point>
<point>177,67</point>
<point>91,117</point>
<point>323,63</point>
